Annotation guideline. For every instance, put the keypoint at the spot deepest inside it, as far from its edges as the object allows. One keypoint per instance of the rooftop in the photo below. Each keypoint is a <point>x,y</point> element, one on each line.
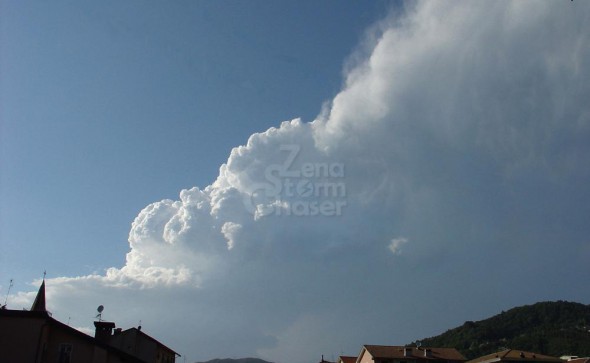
<point>514,355</point>
<point>393,352</point>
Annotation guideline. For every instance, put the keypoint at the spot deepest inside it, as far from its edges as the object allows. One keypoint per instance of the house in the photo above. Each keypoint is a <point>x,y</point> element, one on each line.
<point>575,359</point>
<point>135,342</point>
<point>516,356</point>
<point>402,354</point>
<point>34,336</point>
<point>346,359</point>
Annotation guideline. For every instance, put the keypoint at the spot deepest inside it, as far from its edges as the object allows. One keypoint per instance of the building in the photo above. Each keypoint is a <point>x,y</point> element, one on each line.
<point>575,359</point>
<point>135,342</point>
<point>34,336</point>
<point>516,356</point>
<point>402,354</point>
<point>346,359</point>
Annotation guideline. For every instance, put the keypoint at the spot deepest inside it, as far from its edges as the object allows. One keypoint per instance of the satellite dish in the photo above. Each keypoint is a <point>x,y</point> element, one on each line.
<point>100,308</point>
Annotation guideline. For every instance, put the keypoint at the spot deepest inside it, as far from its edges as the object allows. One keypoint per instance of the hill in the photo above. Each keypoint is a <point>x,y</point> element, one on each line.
<point>552,328</point>
<point>239,360</point>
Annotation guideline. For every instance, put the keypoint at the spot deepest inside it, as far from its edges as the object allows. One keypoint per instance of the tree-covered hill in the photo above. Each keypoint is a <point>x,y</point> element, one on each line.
<point>552,328</point>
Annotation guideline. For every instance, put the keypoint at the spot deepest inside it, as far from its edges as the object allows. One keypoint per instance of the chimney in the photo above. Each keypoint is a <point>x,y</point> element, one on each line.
<point>407,352</point>
<point>428,353</point>
<point>104,330</point>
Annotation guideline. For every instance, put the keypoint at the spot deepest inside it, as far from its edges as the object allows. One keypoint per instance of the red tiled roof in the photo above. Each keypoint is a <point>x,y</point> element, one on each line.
<point>397,352</point>
<point>512,355</point>
<point>349,359</point>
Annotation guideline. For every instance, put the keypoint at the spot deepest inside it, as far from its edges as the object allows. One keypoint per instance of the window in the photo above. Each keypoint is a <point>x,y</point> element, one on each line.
<point>65,353</point>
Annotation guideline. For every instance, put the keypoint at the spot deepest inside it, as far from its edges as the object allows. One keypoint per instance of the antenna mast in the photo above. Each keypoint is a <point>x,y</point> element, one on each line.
<point>8,293</point>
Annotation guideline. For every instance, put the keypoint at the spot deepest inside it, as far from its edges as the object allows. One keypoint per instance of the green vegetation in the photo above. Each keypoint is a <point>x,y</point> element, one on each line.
<point>552,328</point>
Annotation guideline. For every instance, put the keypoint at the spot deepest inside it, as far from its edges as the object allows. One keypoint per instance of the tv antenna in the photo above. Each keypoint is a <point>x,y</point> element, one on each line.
<point>8,293</point>
<point>100,308</point>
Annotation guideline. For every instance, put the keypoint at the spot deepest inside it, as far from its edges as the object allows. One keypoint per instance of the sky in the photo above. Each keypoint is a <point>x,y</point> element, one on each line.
<point>286,180</point>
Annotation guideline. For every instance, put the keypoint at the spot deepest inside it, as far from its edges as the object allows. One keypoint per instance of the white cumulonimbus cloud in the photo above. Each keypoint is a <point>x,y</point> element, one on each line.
<point>465,129</point>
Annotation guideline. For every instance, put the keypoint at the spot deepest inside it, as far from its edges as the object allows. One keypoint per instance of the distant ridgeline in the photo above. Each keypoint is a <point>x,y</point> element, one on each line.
<point>240,360</point>
<point>551,328</point>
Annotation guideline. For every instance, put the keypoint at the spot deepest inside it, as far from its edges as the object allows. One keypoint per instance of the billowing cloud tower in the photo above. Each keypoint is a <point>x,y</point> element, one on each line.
<point>456,153</point>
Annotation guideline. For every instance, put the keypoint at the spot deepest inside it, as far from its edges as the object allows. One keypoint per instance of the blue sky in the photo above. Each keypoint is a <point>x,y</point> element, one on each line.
<point>286,180</point>
<point>109,107</point>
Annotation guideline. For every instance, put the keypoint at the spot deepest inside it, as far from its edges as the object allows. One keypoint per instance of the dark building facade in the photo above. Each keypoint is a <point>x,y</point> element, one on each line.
<point>34,336</point>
